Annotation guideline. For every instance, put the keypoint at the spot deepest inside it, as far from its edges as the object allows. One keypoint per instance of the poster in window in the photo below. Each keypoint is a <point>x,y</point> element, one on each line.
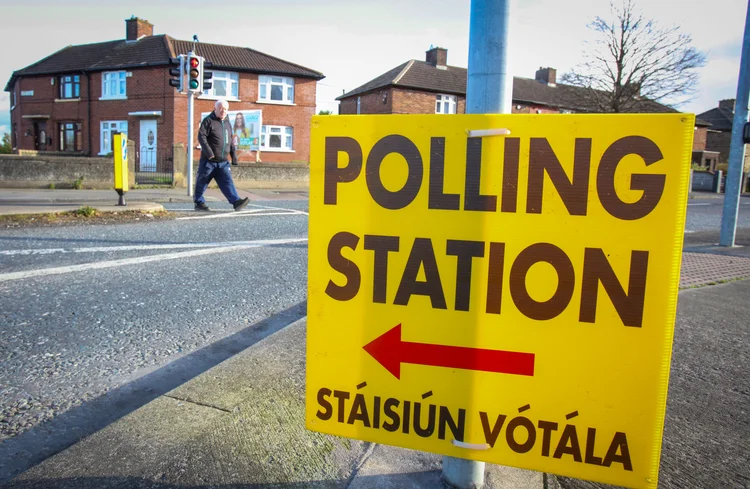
<point>246,126</point>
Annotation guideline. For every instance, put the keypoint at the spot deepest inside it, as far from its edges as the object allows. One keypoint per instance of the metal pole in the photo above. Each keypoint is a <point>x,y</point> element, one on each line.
<point>190,144</point>
<point>489,90</point>
<point>737,147</point>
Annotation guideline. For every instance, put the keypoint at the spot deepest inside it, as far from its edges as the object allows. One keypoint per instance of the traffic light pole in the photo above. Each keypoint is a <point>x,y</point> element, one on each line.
<point>190,143</point>
<point>488,91</point>
<point>191,78</point>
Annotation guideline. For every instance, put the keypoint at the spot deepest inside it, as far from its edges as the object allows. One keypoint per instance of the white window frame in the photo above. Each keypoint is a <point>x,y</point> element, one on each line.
<point>232,79</point>
<point>122,84</point>
<point>287,138</point>
<point>108,127</point>
<point>449,102</point>
<point>267,82</point>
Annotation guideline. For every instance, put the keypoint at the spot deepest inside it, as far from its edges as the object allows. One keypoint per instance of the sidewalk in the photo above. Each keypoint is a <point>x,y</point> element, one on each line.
<point>40,201</point>
<point>239,425</point>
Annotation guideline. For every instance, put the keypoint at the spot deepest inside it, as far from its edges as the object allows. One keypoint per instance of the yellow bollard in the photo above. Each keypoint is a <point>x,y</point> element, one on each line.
<point>120,146</point>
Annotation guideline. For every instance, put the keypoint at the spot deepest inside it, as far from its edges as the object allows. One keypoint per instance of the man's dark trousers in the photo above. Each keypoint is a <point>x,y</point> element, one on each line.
<point>219,170</point>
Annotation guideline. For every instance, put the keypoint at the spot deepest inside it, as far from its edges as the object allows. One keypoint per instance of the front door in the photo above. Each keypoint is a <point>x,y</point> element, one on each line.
<point>148,145</point>
<point>40,135</point>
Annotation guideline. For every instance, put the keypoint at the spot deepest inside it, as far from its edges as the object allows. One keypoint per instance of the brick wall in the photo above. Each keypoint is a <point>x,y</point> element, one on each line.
<point>43,102</point>
<point>520,108</point>
<point>148,90</point>
<point>406,101</point>
<point>413,102</point>
<point>377,102</point>
<point>719,141</point>
<point>700,136</point>
<point>297,116</point>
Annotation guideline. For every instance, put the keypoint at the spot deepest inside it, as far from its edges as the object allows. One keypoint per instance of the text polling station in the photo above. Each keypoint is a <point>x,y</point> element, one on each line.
<point>500,288</point>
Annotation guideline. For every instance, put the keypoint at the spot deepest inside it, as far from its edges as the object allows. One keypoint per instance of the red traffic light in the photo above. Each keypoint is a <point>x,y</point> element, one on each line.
<point>194,62</point>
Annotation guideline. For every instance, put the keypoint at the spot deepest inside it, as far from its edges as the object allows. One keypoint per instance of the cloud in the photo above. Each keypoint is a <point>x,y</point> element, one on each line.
<point>4,129</point>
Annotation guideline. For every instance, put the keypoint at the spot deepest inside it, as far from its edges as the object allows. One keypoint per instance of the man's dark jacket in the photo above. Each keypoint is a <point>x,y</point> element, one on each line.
<point>215,138</point>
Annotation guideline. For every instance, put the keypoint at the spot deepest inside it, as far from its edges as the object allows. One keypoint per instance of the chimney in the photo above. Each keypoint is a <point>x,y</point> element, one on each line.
<point>437,57</point>
<point>727,104</point>
<point>546,75</point>
<point>137,28</point>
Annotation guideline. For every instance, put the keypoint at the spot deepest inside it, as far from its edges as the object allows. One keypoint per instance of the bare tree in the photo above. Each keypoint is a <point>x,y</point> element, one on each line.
<point>631,59</point>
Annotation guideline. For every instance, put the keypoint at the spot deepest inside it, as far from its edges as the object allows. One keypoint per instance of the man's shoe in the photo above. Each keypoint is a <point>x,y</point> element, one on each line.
<point>202,207</point>
<point>240,204</point>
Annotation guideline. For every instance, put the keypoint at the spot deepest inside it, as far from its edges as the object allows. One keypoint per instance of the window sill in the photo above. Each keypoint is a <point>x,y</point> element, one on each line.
<point>113,98</point>
<point>12,110</point>
<point>68,99</point>
<point>214,97</point>
<point>274,102</point>
<point>276,150</point>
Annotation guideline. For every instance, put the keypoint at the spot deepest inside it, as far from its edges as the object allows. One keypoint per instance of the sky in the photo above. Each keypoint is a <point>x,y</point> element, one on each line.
<point>352,42</point>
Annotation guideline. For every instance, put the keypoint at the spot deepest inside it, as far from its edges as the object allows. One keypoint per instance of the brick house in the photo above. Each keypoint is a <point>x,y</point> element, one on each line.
<point>719,131</point>
<point>702,155</point>
<point>432,86</point>
<point>72,101</point>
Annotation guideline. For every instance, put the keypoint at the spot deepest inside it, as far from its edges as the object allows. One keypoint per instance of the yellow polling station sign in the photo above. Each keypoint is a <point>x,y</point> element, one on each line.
<point>120,150</point>
<point>500,288</point>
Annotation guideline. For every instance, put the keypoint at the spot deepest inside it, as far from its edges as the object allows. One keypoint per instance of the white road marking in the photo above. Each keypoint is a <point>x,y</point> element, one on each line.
<point>105,249</point>
<point>5,277</point>
<point>278,208</point>
<point>241,214</point>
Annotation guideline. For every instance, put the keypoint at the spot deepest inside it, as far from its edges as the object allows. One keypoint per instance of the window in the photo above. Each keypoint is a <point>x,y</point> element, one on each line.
<point>225,85</point>
<point>108,129</point>
<point>445,104</point>
<point>359,104</point>
<point>276,138</point>
<point>276,89</point>
<point>14,136</point>
<point>70,136</point>
<point>70,86</point>
<point>113,84</point>
<point>12,98</point>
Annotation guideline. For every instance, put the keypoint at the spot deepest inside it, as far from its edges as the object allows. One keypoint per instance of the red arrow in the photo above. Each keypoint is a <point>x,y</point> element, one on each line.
<point>391,352</point>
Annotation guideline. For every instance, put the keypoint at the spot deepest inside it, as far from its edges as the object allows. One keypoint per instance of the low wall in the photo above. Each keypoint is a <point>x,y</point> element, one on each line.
<point>271,175</point>
<point>37,171</point>
<point>250,175</point>
<point>17,171</point>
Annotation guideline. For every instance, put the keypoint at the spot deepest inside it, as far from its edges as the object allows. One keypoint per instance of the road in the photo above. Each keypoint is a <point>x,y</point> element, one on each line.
<point>90,314</point>
<point>89,309</point>
<point>704,214</point>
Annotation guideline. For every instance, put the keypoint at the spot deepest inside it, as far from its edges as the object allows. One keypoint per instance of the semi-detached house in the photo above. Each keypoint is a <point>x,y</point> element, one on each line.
<point>72,101</point>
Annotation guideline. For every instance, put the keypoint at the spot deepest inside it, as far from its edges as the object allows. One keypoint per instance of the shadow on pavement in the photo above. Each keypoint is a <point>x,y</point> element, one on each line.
<point>401,481</point>
<point>22,452</point>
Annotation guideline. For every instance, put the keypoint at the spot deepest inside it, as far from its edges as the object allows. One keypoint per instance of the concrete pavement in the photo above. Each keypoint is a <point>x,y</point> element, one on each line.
<point>242,425</point>
<point>39,201</point>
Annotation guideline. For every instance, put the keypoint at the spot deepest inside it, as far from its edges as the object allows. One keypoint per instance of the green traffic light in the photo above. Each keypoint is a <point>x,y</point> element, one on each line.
<point>193,84</point>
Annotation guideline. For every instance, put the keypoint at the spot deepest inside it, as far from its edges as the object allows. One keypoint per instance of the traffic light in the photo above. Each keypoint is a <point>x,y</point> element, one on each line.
<point>177,72</point>
<point>207,75</point>
<point>194,72</point>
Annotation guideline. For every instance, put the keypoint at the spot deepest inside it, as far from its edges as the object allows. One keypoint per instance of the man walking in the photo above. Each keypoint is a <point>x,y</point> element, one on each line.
<point>215,138</point>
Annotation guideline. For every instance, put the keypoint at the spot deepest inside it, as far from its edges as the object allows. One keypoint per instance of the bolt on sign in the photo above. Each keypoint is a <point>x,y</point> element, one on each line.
<point>500,288</point>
